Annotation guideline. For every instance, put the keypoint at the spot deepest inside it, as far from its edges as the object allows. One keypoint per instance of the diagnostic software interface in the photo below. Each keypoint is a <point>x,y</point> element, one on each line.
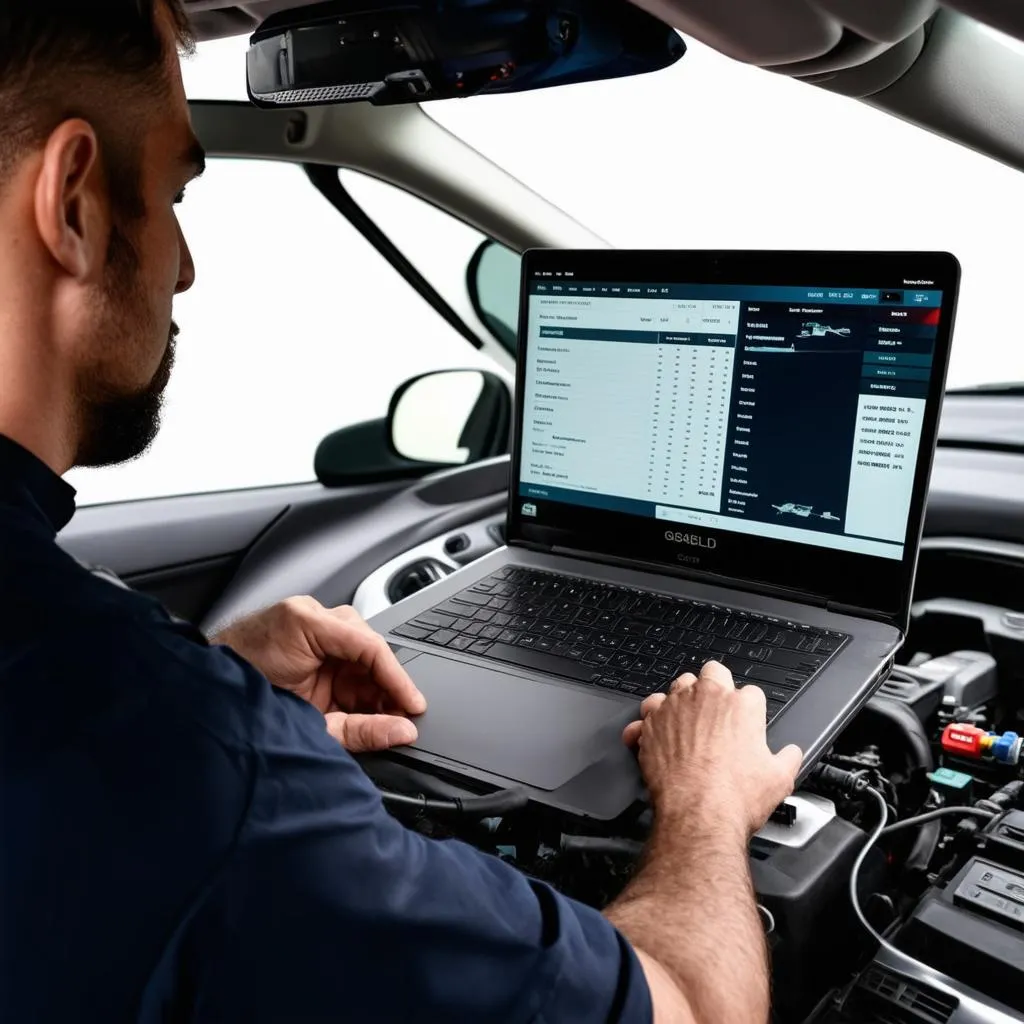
<point>793,413</point>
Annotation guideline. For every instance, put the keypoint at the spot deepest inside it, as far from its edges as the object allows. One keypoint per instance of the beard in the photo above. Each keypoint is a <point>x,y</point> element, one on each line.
<point>118,423</point>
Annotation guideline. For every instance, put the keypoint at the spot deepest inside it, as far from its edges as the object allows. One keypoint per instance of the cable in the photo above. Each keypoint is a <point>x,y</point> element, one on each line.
<point>941,812</point>
<point>503,801</point>
<point>608,846</point>
<point>880,830</point>
<point>859,862</point>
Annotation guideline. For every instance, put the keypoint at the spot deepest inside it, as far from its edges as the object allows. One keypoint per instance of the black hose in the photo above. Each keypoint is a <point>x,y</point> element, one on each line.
<point>907,722</point>
<point>924,847</point>
<point>942,812</point>
<point>488,805</point>
<point>608,846</point>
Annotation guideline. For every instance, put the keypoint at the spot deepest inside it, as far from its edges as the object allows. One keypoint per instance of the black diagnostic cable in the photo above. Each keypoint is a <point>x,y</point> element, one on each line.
<point>489,805</point>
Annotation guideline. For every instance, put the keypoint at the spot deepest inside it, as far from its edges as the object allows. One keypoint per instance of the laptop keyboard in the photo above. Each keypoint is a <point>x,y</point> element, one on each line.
<point>631,641</point>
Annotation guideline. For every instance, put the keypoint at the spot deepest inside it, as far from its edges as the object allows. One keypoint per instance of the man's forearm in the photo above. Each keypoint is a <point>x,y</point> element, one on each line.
<point>691,908</point>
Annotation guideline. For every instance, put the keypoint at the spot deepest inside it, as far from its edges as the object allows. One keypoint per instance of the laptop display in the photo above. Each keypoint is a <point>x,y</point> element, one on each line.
<point>683,402</point>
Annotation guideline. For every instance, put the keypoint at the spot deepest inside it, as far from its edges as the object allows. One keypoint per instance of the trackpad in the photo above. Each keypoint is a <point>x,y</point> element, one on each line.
<point>540,734</point>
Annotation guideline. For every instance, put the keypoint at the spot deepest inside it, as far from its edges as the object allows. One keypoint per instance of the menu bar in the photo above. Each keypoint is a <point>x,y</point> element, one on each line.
<point>748,293</point>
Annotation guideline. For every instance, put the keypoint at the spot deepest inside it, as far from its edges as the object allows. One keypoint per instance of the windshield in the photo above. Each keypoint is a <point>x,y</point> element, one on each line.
<point>715,154</point>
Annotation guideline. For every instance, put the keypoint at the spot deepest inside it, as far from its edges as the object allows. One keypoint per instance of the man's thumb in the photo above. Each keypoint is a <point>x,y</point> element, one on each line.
<point>364,733</point>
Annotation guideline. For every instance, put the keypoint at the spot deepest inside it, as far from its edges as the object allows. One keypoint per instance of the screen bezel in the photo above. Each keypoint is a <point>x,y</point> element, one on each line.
<point>879,586</point>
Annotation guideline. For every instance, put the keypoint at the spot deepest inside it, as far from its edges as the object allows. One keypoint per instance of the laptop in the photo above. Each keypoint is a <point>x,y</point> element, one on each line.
<point>716,455</point>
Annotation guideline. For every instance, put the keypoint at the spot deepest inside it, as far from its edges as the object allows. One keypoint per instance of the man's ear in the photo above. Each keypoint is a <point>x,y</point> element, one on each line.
<point>70,204</point>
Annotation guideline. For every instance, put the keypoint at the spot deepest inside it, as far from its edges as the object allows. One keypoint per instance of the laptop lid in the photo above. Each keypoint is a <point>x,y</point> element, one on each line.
<point>761,418</point>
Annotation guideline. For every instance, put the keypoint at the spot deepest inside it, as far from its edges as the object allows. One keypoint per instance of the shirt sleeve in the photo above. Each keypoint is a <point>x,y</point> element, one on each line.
<point>331,910</point>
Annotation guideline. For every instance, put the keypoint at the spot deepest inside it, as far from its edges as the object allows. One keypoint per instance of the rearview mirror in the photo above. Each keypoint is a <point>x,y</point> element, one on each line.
<point>451,417</point>
<point>492,280</point>
<point>392,51</point>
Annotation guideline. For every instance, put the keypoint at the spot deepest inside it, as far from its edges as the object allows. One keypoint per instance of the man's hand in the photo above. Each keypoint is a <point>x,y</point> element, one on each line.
<point>333,659</point>
<point>690,910</point>
<point>704,754</point>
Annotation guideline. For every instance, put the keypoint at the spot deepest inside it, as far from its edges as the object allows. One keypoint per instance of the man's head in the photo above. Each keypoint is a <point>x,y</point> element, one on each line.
<point>96,146</point>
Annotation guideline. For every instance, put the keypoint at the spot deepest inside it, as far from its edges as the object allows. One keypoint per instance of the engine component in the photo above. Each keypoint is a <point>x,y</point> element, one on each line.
<point>973,930</point>
<point>954,786</point>
<point>803,888</point>
<point>965,740</point>
<point>1004,842</point>
<point>964,678</point>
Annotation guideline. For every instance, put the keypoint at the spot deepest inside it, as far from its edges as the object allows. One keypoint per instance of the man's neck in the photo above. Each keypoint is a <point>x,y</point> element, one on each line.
<point>34,407</point>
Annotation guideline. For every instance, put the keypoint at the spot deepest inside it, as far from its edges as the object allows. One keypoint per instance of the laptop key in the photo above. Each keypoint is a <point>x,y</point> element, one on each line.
<point>725,646</point>
<point>766,674</point>
<point>468,597</point>
<point>484,615</point>
<point>480,647</point>
<point>509,636</point>
<point>411,632</point>
<point>442,637</point>
<point>434,621</point>
<point>795,659</point>
<point>460,643</point>
<point>490,632</point>
<point>545,643</point>
<point>528,640</point>
<point>540,661</point>
<point>473,629</point>
<point>623,661</point>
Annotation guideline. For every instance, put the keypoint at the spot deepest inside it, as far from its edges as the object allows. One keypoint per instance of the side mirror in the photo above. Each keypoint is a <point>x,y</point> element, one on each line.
<point>451,417</point>
<point>492,279</point>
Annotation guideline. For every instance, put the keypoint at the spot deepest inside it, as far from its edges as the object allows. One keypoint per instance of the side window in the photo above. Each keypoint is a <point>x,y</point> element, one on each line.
<point>294,328</point>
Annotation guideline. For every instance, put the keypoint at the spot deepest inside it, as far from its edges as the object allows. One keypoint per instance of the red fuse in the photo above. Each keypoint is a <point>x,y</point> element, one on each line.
<point>966,740</point>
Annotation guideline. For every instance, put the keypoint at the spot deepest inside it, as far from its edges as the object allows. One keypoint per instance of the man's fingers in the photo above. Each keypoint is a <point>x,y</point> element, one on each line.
<point>364,733</point>
<point>651,704</point>
<point>686,680</point>
<point>349,638</point>
<point>716,672</point>
<point>631,734</point>
<point>789,760</point>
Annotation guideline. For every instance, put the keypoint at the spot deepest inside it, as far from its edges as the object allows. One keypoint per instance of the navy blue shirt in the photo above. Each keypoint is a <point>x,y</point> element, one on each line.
<point>181,841</point>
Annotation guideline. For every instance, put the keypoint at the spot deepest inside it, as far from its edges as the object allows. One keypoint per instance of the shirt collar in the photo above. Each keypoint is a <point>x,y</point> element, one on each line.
<point>27,482</point>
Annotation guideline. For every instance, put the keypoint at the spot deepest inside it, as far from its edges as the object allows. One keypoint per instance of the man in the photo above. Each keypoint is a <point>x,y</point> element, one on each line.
<point>185,836</point>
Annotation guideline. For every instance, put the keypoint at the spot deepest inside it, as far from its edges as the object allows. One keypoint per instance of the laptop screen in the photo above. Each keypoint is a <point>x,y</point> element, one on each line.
<point>788,411</point>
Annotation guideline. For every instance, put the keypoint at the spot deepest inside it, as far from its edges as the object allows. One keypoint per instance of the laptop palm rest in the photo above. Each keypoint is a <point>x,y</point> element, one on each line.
<point>540,734</point>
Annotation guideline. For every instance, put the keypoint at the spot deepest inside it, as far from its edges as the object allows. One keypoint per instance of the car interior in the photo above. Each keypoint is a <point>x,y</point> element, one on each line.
<point>923,923</point>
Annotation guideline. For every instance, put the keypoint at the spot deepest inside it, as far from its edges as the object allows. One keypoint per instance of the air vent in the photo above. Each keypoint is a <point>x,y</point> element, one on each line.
<point>884,997</point>
<point>414,578</point>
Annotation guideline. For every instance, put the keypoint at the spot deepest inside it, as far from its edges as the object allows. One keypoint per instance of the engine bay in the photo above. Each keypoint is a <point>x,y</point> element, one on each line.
<point>890,886</point>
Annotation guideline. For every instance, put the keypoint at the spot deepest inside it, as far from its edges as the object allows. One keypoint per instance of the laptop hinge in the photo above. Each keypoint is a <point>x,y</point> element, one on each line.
<point>530,545</point>
<point>746,586</point>
<point>856,612</point>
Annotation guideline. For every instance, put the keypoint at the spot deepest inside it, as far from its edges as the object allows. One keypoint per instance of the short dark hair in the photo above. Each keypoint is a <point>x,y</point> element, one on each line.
<point>56,55</point>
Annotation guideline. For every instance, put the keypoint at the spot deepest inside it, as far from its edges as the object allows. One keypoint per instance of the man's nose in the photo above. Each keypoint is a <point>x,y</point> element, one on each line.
<point>186,268</point>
